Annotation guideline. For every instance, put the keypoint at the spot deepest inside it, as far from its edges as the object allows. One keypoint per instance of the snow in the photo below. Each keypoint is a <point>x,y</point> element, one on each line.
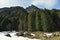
<point>32,34</point>
<point>14,37</point>
<point>49,34</point>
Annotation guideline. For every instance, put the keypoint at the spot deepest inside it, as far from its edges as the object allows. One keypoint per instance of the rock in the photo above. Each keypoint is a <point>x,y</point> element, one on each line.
<point>21,33</point>
<point>44,35</point>
<point>41,35</point>
<point>54,34</point>
<point>27,34</point>
<point>59,34</point>
<point>8,35</point>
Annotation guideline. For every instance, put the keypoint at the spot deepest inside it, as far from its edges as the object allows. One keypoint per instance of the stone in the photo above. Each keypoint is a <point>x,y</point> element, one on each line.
<point>8,35</point>
<point>21,33</point>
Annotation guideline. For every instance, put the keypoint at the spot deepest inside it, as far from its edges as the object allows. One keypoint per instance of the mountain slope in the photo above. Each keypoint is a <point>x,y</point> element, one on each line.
<point>32,8</point>
<point>12,11</point>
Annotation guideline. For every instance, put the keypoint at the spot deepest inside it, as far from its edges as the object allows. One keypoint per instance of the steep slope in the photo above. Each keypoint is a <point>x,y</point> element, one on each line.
<point>12,11</point>
<point>9,17</point>
<point>32,8</point>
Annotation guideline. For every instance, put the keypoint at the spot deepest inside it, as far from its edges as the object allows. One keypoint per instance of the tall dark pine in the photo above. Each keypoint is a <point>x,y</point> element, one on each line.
<point>47,21</point>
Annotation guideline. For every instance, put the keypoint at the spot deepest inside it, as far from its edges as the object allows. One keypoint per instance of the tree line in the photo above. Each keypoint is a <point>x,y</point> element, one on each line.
<point>38,20</point>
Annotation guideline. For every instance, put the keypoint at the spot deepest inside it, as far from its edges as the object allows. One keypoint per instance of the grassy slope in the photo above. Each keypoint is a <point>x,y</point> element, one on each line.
<point>45,38</point>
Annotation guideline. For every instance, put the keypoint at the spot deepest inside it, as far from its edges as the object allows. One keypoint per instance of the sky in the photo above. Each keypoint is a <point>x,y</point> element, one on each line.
<point>49,4</point>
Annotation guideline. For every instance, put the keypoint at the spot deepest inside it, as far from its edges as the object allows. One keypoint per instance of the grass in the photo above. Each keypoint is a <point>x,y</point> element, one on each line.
<point>54,38</point>
<point>45,38</point>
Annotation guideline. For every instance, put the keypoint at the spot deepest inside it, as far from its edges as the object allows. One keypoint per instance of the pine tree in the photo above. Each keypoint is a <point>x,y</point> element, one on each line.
<point>37,22</point>
<point>21,17</point>
<point>25,22</point>
<point>29,22</point>
<point>47,21</point>
<point>33,20</point>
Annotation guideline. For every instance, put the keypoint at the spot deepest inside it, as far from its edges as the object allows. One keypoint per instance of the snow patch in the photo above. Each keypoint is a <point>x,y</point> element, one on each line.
<point>13,36</point>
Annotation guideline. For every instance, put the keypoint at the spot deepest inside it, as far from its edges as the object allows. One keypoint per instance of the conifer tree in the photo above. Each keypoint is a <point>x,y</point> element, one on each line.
<point>29,22</point>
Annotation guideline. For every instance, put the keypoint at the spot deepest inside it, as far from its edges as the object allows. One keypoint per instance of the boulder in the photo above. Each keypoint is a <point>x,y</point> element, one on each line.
<point>59,34</point>
<point>21,33</point>
<point>8,35</point>
<point>27,34</point>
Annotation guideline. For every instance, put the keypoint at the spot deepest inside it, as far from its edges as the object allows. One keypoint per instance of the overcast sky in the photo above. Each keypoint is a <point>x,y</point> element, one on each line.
<point>49,4</point>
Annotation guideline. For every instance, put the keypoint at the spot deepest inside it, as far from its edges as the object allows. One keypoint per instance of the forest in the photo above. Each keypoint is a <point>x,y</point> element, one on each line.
<point>29,19</point>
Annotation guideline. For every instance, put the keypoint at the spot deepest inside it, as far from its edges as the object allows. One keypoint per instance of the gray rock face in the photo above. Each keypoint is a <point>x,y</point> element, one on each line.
<point>8,35</point>
<point>32,8</point>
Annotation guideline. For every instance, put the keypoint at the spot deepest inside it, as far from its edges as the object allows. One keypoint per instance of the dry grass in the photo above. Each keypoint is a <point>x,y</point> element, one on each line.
<point>54,38</point>
<point>45,38</point>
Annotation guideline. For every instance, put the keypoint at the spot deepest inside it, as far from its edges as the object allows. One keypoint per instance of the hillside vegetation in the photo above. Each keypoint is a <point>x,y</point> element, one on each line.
<point>20,19</point>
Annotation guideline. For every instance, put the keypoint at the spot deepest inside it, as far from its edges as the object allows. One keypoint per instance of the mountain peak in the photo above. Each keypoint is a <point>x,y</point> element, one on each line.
<point>32,8</point>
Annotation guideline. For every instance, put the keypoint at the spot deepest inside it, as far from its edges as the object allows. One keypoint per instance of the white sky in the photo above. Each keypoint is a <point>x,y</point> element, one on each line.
<point>45,3</point>
<point>26,3</point>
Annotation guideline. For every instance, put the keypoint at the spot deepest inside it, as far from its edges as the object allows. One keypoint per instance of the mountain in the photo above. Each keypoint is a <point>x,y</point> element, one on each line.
<point>12,11</point>
<point>32,8</point>
<point>10,17</point>
<point>3,9</point>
